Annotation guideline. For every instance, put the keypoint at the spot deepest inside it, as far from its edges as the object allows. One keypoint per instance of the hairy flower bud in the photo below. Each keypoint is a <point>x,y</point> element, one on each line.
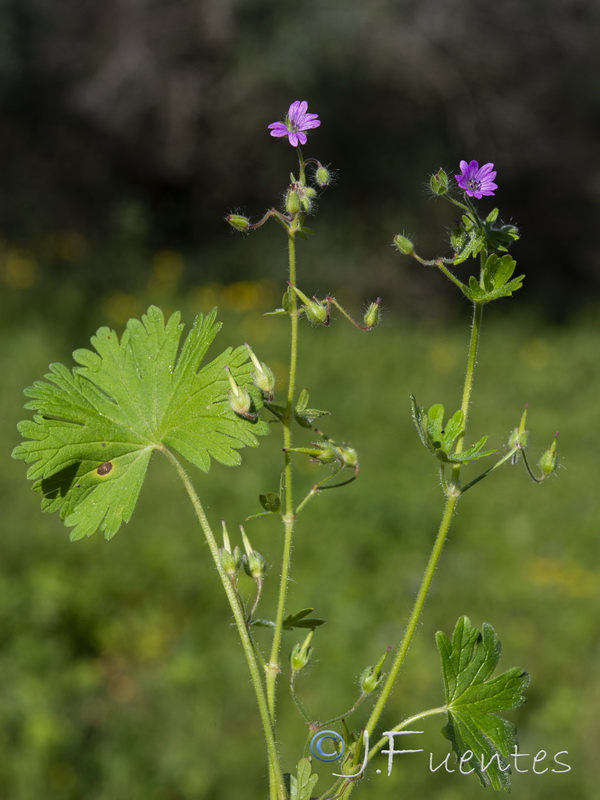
<point>292,201</point>
<point>439,182</point>
<point>372,315</point>
<point>231,560</point>
<point>547,462</point>
<point>348,455</point>
<point>263,378</point>
<point>307,194</point>
<point>404,244</point>
<point>371,677</point>
<point>315,311</point>
<point>322,176</point>
<point>519,436</point>
<point>238,222</point>
<point>239,398</point>
<point>458,238</point>
<point>300,654</point>
<point>253,562</point>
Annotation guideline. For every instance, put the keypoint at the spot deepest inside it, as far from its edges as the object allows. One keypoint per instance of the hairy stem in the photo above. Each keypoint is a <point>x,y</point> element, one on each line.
<point>277,785</point>
<point>289,518</point>
<point>453,494</point>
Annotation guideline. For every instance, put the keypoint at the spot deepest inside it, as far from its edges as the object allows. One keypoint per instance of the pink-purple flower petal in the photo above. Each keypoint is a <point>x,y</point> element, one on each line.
<point>477,181</point>
<point>296,122</point>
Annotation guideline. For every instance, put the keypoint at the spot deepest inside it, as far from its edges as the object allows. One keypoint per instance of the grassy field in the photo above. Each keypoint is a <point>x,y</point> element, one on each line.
<point>122,677</point>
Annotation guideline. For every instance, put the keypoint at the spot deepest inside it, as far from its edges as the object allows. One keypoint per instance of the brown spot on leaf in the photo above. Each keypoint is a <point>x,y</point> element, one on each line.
<point>105,468</point>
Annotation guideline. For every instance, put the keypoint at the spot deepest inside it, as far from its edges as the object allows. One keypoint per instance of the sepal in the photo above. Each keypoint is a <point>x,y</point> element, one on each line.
<point>439,182</point>
<point>253,562</point>
<point>372,676</point>
<point>549,459</point>
<point>300,655</point>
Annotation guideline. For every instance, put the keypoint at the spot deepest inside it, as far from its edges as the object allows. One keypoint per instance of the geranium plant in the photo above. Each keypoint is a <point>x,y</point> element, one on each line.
<point>96,425</point>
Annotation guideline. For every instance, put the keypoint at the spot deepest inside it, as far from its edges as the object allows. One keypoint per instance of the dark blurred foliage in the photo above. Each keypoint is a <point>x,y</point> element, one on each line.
<point>132,126</point>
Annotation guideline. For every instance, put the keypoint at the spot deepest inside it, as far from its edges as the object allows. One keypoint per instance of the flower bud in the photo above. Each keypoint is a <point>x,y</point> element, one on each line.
<point>315,311</point>
<point>239,398</point>
<point>238,222</point>
<point>458,238</point>
<point>323,452</point>
<point>372,315</point>
<point>306,195</point>
<point>519,436</point>
<point>322,177</point>
<point>439,182</point>
<point>348,456</point>
<point>292,201</point>
<point>263,378</point>
<point>371,676</point>
<point>254,564</point>
<point>404,244</point>
<point>547,462</point>
<point>231,560</point>
<point>300,654</point>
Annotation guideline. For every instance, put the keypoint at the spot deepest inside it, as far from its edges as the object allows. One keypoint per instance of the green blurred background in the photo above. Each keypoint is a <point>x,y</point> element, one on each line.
<point>129,129</point>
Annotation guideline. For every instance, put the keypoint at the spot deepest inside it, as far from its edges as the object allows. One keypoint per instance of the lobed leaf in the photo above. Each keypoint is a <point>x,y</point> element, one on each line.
<point>473,697</point>
<point>304,782</point>
<point>97,424</point>
<point>439,438</point>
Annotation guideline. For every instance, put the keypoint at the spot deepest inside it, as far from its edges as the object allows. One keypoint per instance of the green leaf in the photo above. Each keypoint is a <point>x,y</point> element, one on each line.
<point>472,453</point>
<point>298,620</point>
<point>270,501</point>
<point>97,424</point>
<point>439,438</point>
<point>473,697</point>
<point>306,416</point>
<point>302,620</point>
<point>301,786</point>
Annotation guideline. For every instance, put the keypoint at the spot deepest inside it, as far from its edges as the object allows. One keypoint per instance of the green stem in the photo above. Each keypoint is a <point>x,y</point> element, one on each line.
<point>288,516</point>
<point>440,265</point>
<point>413,621</point>
<point>438,546</point>
<point>404,724</point>
<point>469,377</point>
<point>483,475</point>
<point>297,700</point>
<point>277,786</point>
<point>529,470</point>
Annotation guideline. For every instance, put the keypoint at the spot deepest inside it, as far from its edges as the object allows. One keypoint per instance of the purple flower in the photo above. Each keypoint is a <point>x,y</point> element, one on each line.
<point>296,122</point>
<point>475,180</point>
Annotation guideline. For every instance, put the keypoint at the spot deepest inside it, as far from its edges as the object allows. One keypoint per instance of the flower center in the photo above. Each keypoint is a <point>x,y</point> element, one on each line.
<point>474,185</point>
